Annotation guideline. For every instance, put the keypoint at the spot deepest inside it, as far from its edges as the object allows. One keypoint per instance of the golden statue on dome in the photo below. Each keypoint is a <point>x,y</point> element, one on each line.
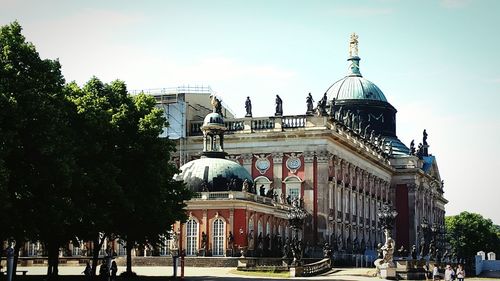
<point>353,45</point>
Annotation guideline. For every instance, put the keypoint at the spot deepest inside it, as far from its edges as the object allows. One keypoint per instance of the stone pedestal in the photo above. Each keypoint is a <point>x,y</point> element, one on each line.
<point>242,262</point>
<point>296,271</point>
<point>388,273</point>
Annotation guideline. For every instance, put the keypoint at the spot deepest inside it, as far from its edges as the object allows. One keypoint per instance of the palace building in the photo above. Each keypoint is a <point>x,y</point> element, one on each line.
<point>343,160</point>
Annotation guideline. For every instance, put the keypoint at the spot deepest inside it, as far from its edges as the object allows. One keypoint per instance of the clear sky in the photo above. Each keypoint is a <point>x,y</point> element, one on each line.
<point>437,62</point>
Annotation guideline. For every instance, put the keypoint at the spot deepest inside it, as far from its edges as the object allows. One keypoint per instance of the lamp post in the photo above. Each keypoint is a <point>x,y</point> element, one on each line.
<point>296,216</point>
<point>386,216</point>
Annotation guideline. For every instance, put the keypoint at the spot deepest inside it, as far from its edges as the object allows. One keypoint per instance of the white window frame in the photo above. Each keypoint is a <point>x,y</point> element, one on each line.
<point>293,186</point>
<point>218,237</point>
<point>192,232</point>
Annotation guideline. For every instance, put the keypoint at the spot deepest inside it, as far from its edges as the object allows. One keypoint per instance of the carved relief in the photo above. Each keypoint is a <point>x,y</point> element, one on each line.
<point>323,156</point>
<point>309,156</point>
<point>247,158</point>
<point>293,162</point>
<point>277,157</point>
<point>262,163</point>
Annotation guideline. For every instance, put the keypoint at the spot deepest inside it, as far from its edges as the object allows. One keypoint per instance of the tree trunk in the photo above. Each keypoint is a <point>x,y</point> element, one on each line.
<point>17,247</point>
<point>1,251</point>
<point>96,248</point>
<point>53,260</point>
<point>129,258</point>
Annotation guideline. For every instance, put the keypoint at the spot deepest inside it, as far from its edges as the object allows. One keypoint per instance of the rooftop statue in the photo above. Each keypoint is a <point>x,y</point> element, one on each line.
<point>321,108</point>
<point>332,105</point>
<point>309,102</point>
<point>424,141</point>
<point>412,147</point>
<point>353,45</point>
<point>279,106</point>
<point>216,104</point>
<point>248,107</point>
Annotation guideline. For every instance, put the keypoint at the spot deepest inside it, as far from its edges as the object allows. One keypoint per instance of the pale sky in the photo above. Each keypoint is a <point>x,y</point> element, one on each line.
<point>437,62</point>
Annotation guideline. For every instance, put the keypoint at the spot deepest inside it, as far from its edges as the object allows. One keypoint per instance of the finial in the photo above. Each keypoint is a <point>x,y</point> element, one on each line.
<point>353,56</point>
<point>353,45</point>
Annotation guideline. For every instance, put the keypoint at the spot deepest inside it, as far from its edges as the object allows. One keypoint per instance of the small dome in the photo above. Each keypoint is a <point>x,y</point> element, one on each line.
<point>213,119</point>
<point>398,148</point>
<point>215,173</point>
<point>355,88</point>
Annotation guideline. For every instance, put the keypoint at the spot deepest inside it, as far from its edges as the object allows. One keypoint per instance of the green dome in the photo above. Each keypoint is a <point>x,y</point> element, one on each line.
<point>354,87</point>
<point>216,173</point>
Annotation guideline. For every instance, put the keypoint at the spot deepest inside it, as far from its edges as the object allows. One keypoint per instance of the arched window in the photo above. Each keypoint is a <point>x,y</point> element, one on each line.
<point>293,186</point>
<point>166,244</point>
<point>268,228</point>
<point>280,231</point>
<point>261,180</point>
<point>259,227</point>
<point>34,249</point>
<point>218,237</point>
<point>122,251</point>
<point>191,237</point>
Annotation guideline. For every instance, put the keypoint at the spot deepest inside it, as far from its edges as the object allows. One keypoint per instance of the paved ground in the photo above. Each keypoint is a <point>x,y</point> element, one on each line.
<point>220,273</point>
<point>204,273</point>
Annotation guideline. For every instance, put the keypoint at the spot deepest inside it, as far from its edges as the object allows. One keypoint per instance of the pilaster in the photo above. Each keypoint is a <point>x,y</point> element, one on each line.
<point>322,191</point>
<point>278,171</point>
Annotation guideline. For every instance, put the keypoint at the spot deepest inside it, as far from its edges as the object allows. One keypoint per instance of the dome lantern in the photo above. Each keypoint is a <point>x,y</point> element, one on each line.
<point>213,132</point>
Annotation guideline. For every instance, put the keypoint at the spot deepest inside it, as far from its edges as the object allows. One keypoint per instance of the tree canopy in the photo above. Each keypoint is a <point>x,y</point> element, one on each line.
<point>469,233</point>
<point>79,163</point>
<point>36,152</point>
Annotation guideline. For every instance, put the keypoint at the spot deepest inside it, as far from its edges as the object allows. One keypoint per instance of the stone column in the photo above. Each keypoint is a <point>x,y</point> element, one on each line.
<point>412,216</point>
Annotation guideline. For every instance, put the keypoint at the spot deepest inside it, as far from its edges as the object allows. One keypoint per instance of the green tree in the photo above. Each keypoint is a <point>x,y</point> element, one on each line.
<point>154,201</point>
<point>99,109</point>
<point>469,233</point>
<point>36,153</point>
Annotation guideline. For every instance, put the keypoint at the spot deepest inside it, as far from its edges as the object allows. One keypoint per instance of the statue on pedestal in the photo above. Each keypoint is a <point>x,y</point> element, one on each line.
<point>248,107</point>
<point>309,102</point>
<point>279,106</point>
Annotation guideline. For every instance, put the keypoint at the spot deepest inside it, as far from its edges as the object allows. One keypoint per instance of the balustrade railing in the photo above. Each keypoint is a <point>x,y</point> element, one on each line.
<point>298,121</point>
<point>236,125</point>
<point>256,124</point>
<point>262,124</point>
<point>317,267</point>
<point>226,195</point>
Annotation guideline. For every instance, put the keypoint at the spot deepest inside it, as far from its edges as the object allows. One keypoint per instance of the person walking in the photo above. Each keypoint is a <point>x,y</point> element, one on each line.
<point>114,269</point>
<point>449,273</point>
<point>88,271</point>
<point>103,271</point>
<point>460,273</point>
<point>435,273</point>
